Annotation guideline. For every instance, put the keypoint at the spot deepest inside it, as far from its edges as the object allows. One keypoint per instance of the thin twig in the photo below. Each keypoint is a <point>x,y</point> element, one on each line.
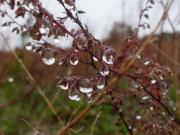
<point>94,123</point>
<point>29,124</point>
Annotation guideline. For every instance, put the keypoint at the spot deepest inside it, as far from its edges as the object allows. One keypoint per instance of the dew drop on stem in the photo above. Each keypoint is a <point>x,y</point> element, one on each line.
<point>153,81</point>
<point>108,59</point>
<point>105,70</point>
<point>74,59</point>
<point>101,83</point>
<point>77,99</point>
<point>48,57</point>
<point>73,94</point>
<point>56,40</point>
<point>48,61</point>
<point>95,59</point>
<point>10,79</point>
<point>89,94</point>
<point>138,117</point>
<point>63,84</point>
<point>85,86</point>
<point>42,30</point>
<point>4,28</point>
<point>146,63</point>
<point>29,47</point>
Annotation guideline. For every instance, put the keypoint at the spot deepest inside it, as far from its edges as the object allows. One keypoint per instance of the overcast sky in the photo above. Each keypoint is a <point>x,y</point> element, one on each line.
<point>100,15</point>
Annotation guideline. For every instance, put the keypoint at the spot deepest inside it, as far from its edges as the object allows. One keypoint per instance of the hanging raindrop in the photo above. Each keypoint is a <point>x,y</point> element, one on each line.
<point>105,70</point>
<point>28,47</point>
<point>89,94</point>
<point>95,59</point>
<point>48,57</point>
<point>108,59</point>
<point>63,84</point>
<point>101,83</point>
<point>77,99</point>
<point>10,79</point>
<point>85,86</point>
<point>145,97</point>
<point>73,94</point>
<point>146,63</point>
<point>56,40</point>
<point>153,81</point>
<point>42,30</point>
<point>74,59</point>
<point>138,117</point>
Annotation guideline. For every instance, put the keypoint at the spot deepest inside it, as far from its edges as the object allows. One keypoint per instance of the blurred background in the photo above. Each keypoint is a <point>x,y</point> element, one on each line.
<point>21,106</point>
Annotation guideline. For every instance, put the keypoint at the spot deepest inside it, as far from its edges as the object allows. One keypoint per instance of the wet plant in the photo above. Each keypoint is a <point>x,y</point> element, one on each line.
<point>147,79</point>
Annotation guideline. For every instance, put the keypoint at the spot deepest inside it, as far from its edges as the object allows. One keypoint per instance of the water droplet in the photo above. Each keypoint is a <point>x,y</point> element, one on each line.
<point>89,100</point>
<point>138,56</point>
<point>85,86</point>
<point>31,6</point>
<point>76,50</point>
<point>108,59</point>
<point>138,117</point>
<point>56,40</point>
<point>73,94</point>
<point>146,63</point>
<point>78,99</point>
<point>10,79</point>
<point>151,108</point>
<point>86,90</point>
<point>60,62</point>
<point>74,59</point>
<point>80,42</point>
<point>48,57</point>
<point>64,38</point>
<point>161,77</point>
<point>153,81</point>
<point>171,103</point>
<point>63,84</point>
<point>28,47</point>
<point>130,127</point>
<point>89,94</point>
<point>105,70</point>
<point>42,30</point>
<point>49,61</point>
<point>4,28</point>
<point>36,132</point>
<point>145,97</point>
<point>95,59</point>
<point>101,83</point>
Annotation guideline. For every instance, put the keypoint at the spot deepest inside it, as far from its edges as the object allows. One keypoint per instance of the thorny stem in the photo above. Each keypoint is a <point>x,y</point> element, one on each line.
<point>122,71</point>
